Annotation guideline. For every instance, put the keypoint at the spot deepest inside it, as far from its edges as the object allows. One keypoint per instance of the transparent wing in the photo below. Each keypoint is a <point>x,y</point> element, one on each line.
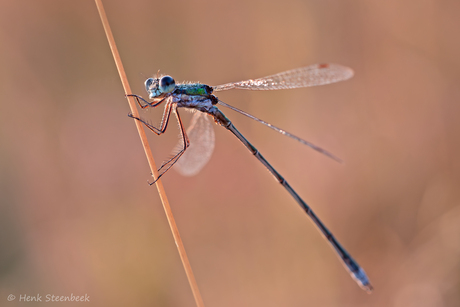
<point>284,132</point>
<point>201,136</point>
<point>312,75</point>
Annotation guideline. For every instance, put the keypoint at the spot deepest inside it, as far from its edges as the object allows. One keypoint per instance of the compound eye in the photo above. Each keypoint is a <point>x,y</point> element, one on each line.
<point>167,84</point>
<point>148,84</point>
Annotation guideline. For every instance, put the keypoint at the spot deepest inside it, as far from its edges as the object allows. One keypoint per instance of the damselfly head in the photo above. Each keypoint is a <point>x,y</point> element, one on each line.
<point>158,87</point>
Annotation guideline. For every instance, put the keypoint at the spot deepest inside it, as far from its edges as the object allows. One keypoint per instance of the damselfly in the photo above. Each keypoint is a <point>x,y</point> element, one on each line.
<point>197,143</point>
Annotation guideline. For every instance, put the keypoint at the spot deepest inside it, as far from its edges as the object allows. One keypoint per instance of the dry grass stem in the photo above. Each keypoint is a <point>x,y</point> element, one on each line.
<point>148,153</point>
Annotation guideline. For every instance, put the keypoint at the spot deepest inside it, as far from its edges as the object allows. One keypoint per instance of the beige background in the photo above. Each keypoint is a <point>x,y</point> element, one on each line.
<point>76,214</point>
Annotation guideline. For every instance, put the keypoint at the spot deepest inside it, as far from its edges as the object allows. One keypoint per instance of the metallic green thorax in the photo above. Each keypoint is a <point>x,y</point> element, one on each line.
<point>193,89</point>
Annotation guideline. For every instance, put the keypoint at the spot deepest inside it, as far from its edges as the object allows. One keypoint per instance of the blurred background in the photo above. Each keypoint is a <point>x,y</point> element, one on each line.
<point>77,215</point>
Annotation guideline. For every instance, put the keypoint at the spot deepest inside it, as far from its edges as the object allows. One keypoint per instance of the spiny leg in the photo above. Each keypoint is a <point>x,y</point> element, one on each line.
<point>164,120</point>
<point>164,124</point>
<point>356,272</point>
<point>176,157</point>
<point>148,104</point>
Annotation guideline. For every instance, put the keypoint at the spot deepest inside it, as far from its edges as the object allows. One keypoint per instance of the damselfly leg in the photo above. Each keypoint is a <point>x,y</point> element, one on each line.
<point>169,107</point>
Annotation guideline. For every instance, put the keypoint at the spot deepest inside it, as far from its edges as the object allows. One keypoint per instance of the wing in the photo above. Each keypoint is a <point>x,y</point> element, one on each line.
<point>312,75</point>
<point>201,136</point>
<point>284,132</point>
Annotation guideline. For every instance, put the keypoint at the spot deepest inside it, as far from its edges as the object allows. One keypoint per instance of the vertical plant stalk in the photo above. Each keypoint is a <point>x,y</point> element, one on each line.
<point>148,153</point>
